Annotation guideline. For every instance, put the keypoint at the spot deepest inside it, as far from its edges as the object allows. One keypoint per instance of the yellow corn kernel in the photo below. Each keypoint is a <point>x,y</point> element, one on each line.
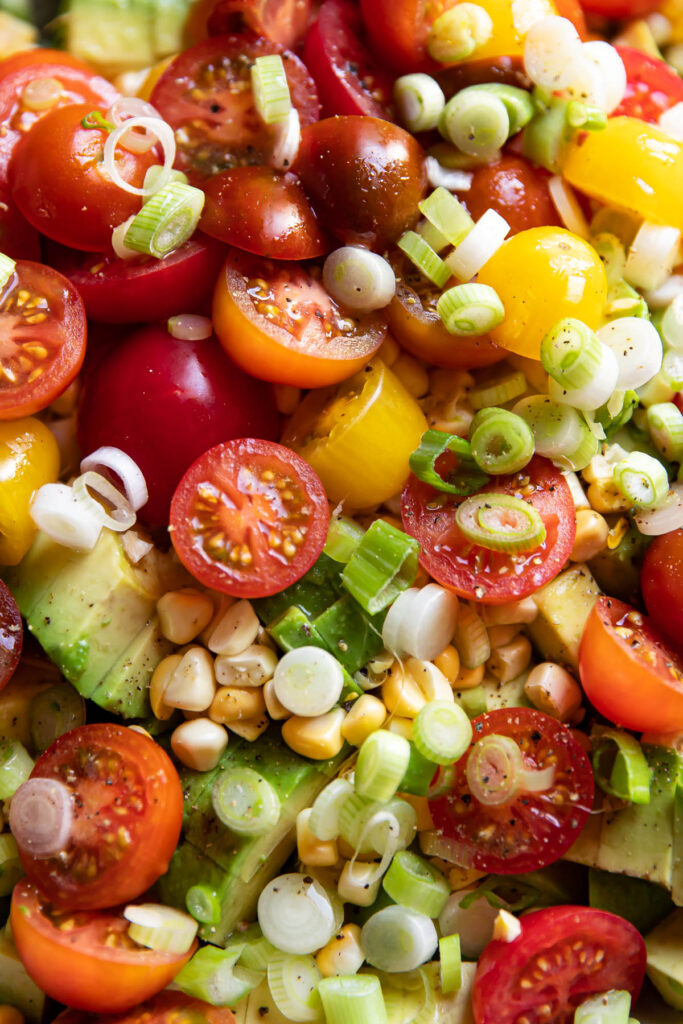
<point>462,878</point>
<point>401,726</point>
<point>468,678</point>
<point>276,710</point>
<point>401,694</point>
<point>510,660</point>
<point>448,662</point>
<point>237,703</point>
<point>501,635</point>
<point>313,852</point>
<point>420,805</point>
<point>221,603</point>
<point>366,715</point>
<point>605,496</point>
<point>432,682</point>
<point>286,398</point>
<point>183,614</point>
<point>389,350</point>
<point>161,677</point>
<point>10,1015</point>
<point>592,533</point>
<point>359,883</point>
<point>250,729</point>
<point>237,630</point>
<point>511,613</point>
<point>199,744</point>
<point>412,374</point>
<point>318,738</point>
<point>617,533</point>
<point>252,667</point>
<point>342,954</point>
<point>506,927</point>
<point>193,683</point>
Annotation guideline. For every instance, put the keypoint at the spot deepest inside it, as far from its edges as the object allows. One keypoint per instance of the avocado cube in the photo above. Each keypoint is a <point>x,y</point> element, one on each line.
<point>638,901</point>
<point>16,987</point>
<point>112,35</point>
<point>125,688</point>
<point>564,605</point>
<point>665,958</point>
<point>39,568</point>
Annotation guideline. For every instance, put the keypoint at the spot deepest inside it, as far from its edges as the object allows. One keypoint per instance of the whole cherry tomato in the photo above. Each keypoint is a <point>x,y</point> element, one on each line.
<point>516,190</point>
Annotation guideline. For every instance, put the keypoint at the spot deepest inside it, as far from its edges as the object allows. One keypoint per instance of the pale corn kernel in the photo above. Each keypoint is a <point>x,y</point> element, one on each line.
<point>468,678</point>
<point>401,726</point>
<point>420,805</point>
<point>506,927</point>
<point>592,532</point>
<point>250,729</point>
<point>161,677</point>
<point>463,878</point>
<point>276,710</point>
<point>510,660</point>
<point>605,496</point>
<point>366,715</point>
<point>512,613</point>
<point>318,738</point>
<point>286,398</point>
<point>401,694</point>
<point>264,639</point>
<point>448,662</point>
<point>602,466</point>
<point>236,704</point>
<point>193,683</point>
<point>389,350</point>
<point>134,546</point>
<point>237,630</point>
<point>359,883</point>
<point>10,1015</point>
<point>552,689</point>
<point>432,682</point>
<point>412,375</point>
<point>221,603</point>
<point>183,614</point>
<point>313,852</point>
<point>199,744</point>
<point>252,667</point>
<point>342,954</point>
<point>501,635</point>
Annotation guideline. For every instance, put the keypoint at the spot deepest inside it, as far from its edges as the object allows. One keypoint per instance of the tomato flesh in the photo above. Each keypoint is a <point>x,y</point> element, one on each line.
<point>652,86</point>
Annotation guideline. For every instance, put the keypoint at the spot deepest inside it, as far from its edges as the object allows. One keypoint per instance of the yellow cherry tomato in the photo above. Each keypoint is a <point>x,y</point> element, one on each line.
<point>541,276</point>
<point>29,458</point>
<point>511,22</point>
<point>630,164</point>
<point>358,437</point>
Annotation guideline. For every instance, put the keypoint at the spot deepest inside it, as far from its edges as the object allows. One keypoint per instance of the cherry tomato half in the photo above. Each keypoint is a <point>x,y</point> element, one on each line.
<point>627,670</point>
<point>492,577</point>
<point>18,239</point>
<point>661,583</point>
<point>281,21</point>
<point>164,401</point>
<point>652,86</point>
<point>127,812</point>
<point>11,635</point>
<point>164,1008</point>
<point>249,518</point>
<point>532,829</point>
<point>86,959</point>
<point>43,344</point>
<point>563,955</point>
<point>516,190</point>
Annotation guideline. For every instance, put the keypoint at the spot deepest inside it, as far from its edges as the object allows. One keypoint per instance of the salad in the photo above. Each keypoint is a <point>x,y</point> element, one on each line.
<point>341,512</point>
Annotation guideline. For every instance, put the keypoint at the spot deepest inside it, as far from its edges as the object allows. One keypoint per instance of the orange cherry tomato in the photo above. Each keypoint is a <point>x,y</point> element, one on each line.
<point>164,1008</point>
<point>515,189</point>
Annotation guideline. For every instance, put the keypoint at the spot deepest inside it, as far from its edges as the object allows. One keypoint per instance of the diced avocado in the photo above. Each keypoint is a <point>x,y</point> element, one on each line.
<point>112,35</point>
<point>564,605</point>
<point>665,958</point>
<point>41,565</point>
<point>640,902</point>
<point>16,988</point>
<point>584,850</point>
<point>617,570</point>
<point>169,24</point>
<point>354,637</point>
<point>313,593</point>
<point>677,867</point>
<point>125,688</point>
<point>31,677</point>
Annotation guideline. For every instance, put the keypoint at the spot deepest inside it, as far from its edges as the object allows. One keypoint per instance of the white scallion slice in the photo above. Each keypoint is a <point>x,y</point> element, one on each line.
<point>419,101</point>
<point>359,279</point>
<point>476,122</point>
<point>7,268</point>
<point>353,999</point>
<point>59,513</point>
<point>672,369</point>
<point>470,310</point>
<point>652,255</point>
<point>156,126</point>
<point>156,177</point>
<point>245,801</point>
<point>485,239</point>
<point>118,242</point>
<point>637,347</point>
<point>296,914</point>
<point>552,51</point>
<point>672,321</point>
<point>126,107</point>
<point>500,522</point>
<point>560,432</point>
<point>652,522</point>
<point>121,517</point>
<point>167,220</point>
<point>287,139</point>
<point>293,982</point>
<point>271,88</point>
<point>161,928</point>
<point>665,423</point>
<point>597,392</point>
<point>571,353</point>
<point>41,817</point>
<point>308,681</point>
<point>459,32</point>
<point>324,819</point>
<point>454,180</point>
<point>609,65</point>
<point>397,939</point>
<point>126,469</point>
<point>612,254</point>
<point>642,479</point>
<point>568,207</point>
<point>421,622</point>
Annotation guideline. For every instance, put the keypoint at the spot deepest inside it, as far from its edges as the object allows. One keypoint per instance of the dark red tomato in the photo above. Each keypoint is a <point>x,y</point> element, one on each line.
<point>365,178</point>
<point>205,95</point>
<point>249,518</point>
<point>516,190</point>
<point>43,339</point>
<point>661,583</point>
<point>563,956</point>
<point>620,8</point>
<point>11,635</point>
<point>164,1008</point>
<point>529,830</point>
<point>127,811</point>
<point>18,238</point>
<point>143,288</point>
<point>473,572</point>
<point>346,74</point>
<point>164,402</point>
<point>502,70</point>
<point>58,182</point>
<point>78,84</point>
<point>281,21</point>
<point>652,86</point>
<point>263,212</point>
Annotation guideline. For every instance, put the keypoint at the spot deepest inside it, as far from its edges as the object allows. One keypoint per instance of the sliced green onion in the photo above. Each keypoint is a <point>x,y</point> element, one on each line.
<point>623,300</point>
<point>419,101</point>
<point>11,868</point>
<point>397,939</point>
<point>157,176</point>
<point>343,537</point>
<point>571,353</point>
<point>612,254</point>
<point>166,221</point>
<point>493,769</point>
<point>353,999</point>
<point>442,731</point>
<point>502,442</point>
<point>53,712</point>
<point>296,914</point>
<point>203,903</point>
<point>447,215</point>
<point>451,964</point>
<point>458,33</point>
<point>245,802</point>
<point>324,819</point>
<point>308,681</point>
<point>413,882</point>
<point>7,268</point>
<point>211,975</point>
<point>545,137</point>
<point>518,103</point>
<point>665,423</point>
<point>271,88</point>
<point>642,479</point>
<point>672,368</point>
<point>432,236</point>
<point>497,387</point>
<point>476,122</point>
<point>359,279</point>
<point>470,310</point>
<point>611,1007</point>
<point>410,997</point>
<point>293,982</point>
<point>256,952</point>
<point>500,522</point>
<point>418,775</point>
<point>471,638</point>
<point>424,258</point>
<point>586,116</point>
<point>41,816</point>
<point>560,432</point>
<point>161,928</point>
<point>630,776</point>
<point>382,761</point>
<point>672,323</point>
<point>383,564</point>
<point>374,827</point>
<point>16,765</point>
<point>466,479</point>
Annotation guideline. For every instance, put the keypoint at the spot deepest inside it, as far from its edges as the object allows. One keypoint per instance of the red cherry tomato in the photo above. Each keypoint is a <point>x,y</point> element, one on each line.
<point>365,177</point>
<point>628,671</point>
<point>11,635</point>
<point>531,829</point>
<point>652,86</point>
<point>164,1008</point>
<point>143,288</point>
<point>516,190</point>
<point>127,807</point>
<point>205,95</point>
<point>86,959</point>
<point>620,8</point>
<point>18,239</point>
<point>44,332</point>
<point>165,401</point>
<point>344,71</point>
<point>263,212</point>
<point>249,518</point>
<point>563,956</point>
<point>661,584</point>
<point>281,21</point>
<point>492,577</point>
<point>58,184</point>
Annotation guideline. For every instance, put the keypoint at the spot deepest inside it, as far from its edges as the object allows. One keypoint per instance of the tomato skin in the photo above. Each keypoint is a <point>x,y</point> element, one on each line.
<point>544,965</point>
<point>189,396</point>
<point>18,238</point>
<point>516,190</point>
<point>29,458</point>
<point>635,680</point>
<point>264,213</point>
<point>281,21</point>
<point>365,178</point>
<point>108,767</point>
<point>652,86</point>
<point>164,1008</point>
<point>620,8</point>
<point>250,512</point>
<point>11,635</point>
<point>76,967</point>
<point>661,583</point>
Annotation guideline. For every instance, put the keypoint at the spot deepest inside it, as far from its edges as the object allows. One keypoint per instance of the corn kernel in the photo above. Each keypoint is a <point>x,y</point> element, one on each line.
<point>506,927</point>
<point>431,681</point>
<point>605,496</point>
<point>412,374</point>
<point>501,635</point>
<point>617,533</point>
<point>366,715</point>
<point>359,883</point>
<point>237,703</point>
<point>250,729</point>
<point>199,744</point>
<point>252,667</point>
<point>10,1015</point>
<point>237,630</point>
<point>318,738</point>
<point>183,614</point>
<point>511,660</point>
<point>221,603</point>
<point>401,726</point>
<point>193,683</point>
<point>158,684</point>
<point>276,710</point>
<point>342,954</point>
<point>401,694</point>
<point>420,805</point>
<point>468,678</point>
<point>313,852</point>
<point>511,613</point>
<point>551,689</point>
<point>592,534</point>
<point>448,662</point>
